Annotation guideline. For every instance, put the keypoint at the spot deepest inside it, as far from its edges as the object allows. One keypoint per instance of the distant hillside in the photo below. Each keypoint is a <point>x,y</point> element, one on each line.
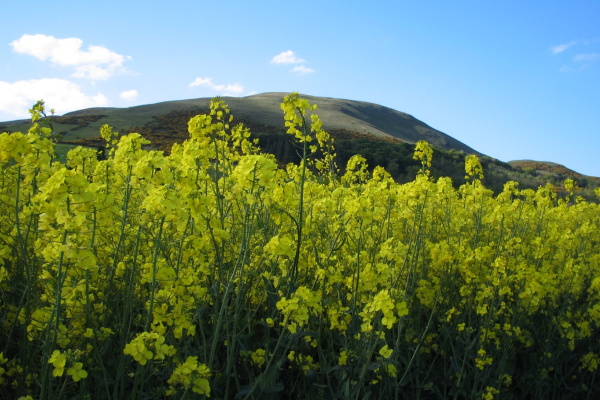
<point>385,137</point>
<point>546,167</point>
<point>349,115</point>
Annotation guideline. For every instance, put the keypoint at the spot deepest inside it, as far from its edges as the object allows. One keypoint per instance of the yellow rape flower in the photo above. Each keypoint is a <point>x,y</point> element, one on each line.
<point>77,372</point>
<point>192,375</point>
<point>259,357</point>
<point>58,360</point>
<point>343,360</point>
<point>490,393</point>
<point>473,167</point>
<point>140,348</point>
<point>590,362</point>
<point>385,352</point>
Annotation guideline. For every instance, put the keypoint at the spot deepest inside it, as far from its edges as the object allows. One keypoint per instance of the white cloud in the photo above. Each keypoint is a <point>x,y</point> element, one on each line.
<point>227,90</point>
<point>97,63</point>
<point>587,57</point>
<point>287,57</point>
<point>63,96</point>
<point>301,69</point>
<point>562,47</point>
<point>92,72</point>
<point>129,95</point>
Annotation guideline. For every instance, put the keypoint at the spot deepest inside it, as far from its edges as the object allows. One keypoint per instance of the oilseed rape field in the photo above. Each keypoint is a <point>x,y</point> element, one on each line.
<point>212,272</point>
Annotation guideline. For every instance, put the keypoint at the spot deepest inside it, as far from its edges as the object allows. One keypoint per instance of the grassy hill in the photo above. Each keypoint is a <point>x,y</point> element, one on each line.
<point>385,137</point>
<point>547,167</point>
<point>355,116</point>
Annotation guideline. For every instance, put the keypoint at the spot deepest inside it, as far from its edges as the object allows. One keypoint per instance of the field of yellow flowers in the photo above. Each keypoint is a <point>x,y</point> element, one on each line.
<point>210,272</point>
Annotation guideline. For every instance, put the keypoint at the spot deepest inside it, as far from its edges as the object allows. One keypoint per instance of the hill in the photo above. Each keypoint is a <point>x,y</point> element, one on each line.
<point>546,167</point>
<point>349,115</point>
<point>385,137</point>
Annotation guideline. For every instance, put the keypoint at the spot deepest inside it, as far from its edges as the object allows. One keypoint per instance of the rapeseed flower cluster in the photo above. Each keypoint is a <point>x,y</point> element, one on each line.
<point>212,272</point>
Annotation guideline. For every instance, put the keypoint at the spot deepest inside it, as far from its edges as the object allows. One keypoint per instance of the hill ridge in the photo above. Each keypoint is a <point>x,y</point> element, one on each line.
<point>352,115</point>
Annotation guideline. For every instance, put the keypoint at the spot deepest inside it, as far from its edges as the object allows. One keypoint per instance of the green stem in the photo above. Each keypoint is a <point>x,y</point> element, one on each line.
<point>157,245</point>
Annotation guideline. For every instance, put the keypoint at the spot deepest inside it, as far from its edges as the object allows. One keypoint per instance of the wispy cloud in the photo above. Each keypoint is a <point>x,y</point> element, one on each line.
<point>287,57</point>
<point>228,90</point>
<point>16,98</point>
<point>565,69</point>
<point>129,95</point>
<point>586,57</point>
<point>97,63</point>
<point>562,47</point>
<point>301,69</point>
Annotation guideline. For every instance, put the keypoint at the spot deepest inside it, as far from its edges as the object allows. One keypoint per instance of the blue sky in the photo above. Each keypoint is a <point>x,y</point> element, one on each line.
<point>512,79</point>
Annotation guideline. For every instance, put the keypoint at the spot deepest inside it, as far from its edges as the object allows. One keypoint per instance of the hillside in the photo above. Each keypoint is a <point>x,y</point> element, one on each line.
<point>546,167</point>
<point>354,116</point>
<point>385,137</point>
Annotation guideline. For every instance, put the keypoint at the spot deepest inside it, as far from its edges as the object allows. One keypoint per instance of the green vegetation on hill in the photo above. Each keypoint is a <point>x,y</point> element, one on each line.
<point>355,116</point>
<point>385,137</point>
<point>395,155</point>
<point>397,159</point>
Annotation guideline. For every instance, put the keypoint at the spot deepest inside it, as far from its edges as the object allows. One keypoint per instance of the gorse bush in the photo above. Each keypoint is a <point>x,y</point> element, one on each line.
<point>213,273</point>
